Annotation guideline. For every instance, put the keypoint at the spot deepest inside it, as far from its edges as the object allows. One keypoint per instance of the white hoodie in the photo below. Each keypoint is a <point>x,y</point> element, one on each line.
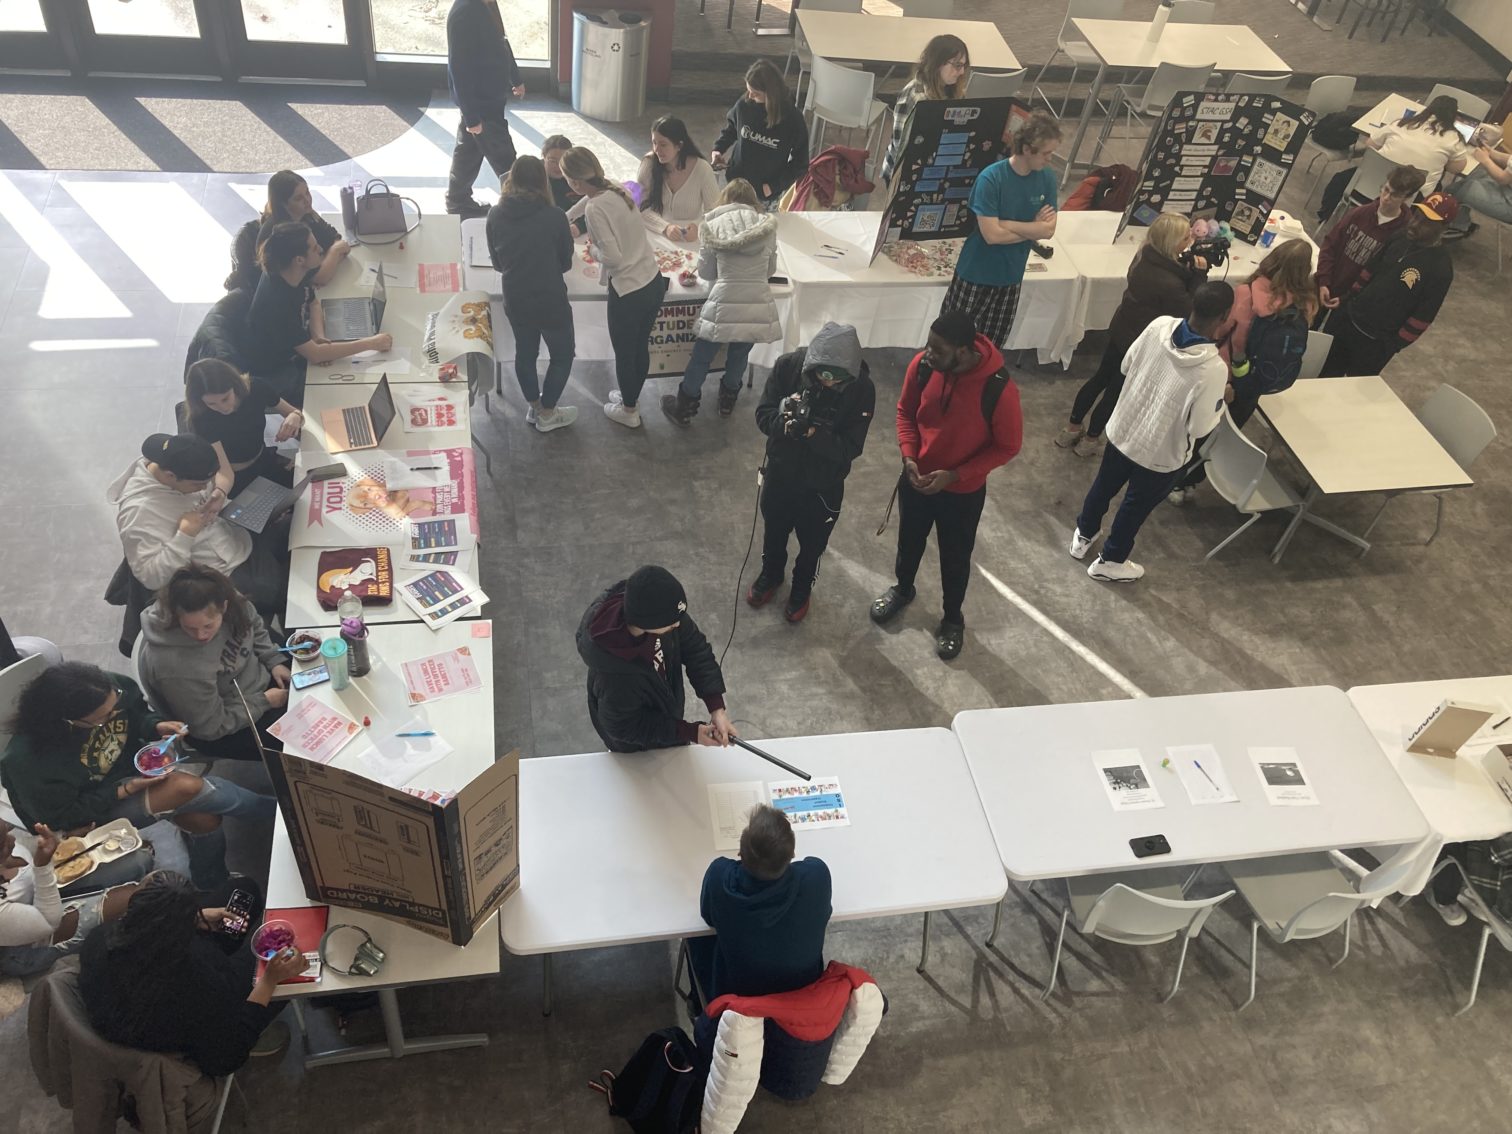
<point>147,517</point>
<point>1172,398</point>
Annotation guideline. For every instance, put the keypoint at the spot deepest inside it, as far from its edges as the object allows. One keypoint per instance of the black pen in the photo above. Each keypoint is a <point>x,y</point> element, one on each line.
<point>425,468</point>
<point>1499,723</point>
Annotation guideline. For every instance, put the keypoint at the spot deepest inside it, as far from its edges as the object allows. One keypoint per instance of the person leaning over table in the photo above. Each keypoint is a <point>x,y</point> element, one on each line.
<point>765,139</point>
<point>942,72</point>
<point>230,410</point>
<point>636,639</point>
<point>288,200</point>
<point>677,184</point>
<point>1361,233</point>
<point>36,927</point>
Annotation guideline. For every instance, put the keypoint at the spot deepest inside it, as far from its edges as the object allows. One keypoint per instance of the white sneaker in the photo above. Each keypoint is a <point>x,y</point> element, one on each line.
<point>1180,496</point>
<point>1081,544</point>
<point>530,415</point>
<point>557,418</point>
<point>1125,572</point>
<point>1088,446</point>
<point>1453,913</point>
<point>616,411</point>
<point>616,398</point>
<point>1068,436</point>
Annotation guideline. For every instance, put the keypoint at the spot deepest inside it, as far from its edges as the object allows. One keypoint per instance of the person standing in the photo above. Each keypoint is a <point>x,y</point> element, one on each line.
<point>958,419</point>
<point>1173,396</point>
<point>815,410</point>
<point>1014,203</point>
<point>764,139</point>
<point>482,73</point>
<point>1361,233</point>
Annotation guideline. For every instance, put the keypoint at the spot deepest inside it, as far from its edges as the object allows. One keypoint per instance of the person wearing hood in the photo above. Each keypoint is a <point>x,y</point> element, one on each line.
<point>636,639</point>
<point>815,410</point>
<point>201,641</point>
<point>530,243</point>
<point>1174,393</point>
<point>958,419</point>
<point>739,256</point>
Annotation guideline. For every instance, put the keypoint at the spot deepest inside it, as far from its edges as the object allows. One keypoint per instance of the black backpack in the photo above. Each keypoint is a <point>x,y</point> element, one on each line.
<point>1275,348</point>
<point>660,1091</point>
<point>1336,131</point>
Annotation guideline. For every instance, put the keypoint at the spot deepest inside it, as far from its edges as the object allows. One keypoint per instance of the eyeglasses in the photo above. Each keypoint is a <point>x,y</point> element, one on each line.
<point>114,713</point>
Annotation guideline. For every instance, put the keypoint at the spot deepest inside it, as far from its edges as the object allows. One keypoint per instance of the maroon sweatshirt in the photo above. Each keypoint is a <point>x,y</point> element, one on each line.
<point>1353,243</point>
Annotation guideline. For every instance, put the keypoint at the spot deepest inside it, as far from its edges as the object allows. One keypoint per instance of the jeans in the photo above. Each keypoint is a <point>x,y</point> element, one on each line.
<point>631,318</point>
<point>703,354</point>
<point>1353,351</point>
<point>494,143</point>
<point>267,465</point>
<point>530,325</point>
<point>1480,194</point>
<point>207,852</point>
<point>240,745</point>
<point>28,960</point>
<point>1107,382</point>
<point>954,517</point>
<point>813,514</point>
<point>1147,488</point>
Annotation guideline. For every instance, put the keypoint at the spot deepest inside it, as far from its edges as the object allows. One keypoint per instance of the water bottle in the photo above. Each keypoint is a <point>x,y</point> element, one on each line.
<point>1157,25</point>
<point>333,651</point>
<point>354,633</point>
<point>1268,235</point>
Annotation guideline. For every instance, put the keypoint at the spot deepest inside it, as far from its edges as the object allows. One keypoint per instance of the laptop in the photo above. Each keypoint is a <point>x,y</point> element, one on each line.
<point>260,501</point>
<point>356,318</point>
<point>360,427</point>
<point>1467,127</point>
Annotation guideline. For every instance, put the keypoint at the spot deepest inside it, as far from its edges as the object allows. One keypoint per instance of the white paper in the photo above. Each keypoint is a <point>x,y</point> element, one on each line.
<point>314,730</point>
<point>419,472</point>
<point>1502,716</point>
<point>1283,777</point>
<point>395,274</point>
<point>395,360</point>
<point>441,596</point>
<point>811,803</point>
<point>1201,773</point>
<point>1498,765</point>
<point>1126,779</point>
<point>442,675</point>
<point>395,760</point>
<point>421,411</point>
<point>441,533</point>
<point>477,252</point>
<point>729,807</point>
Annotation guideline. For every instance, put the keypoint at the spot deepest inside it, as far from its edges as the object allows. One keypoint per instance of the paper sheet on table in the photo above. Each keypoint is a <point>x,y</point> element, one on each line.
<point>729,807</point>
<point>1202,774</point>
<point>446,533</point>
<point>1502,717</point>
<point>440,277</point>
<point>395,274</point>
<point>478,254</point>
<point>314,730</point>
<point>426,412</point>
<point>395,760</point>
<point>1126,779</point>
<point>393,361</point>
<point>423,472</point>
<point>1283,777</point>
<point>442,596</point>
<point>811,803</point>
<point>446,674</point>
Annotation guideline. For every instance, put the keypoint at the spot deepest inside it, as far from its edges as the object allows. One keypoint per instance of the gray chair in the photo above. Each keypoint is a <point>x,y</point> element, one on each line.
<point>800,48</point>
<point>1319,343</point>
<point>1472,105</point>
<point>1237,469</point>
<point>842,96</point>
<point>1492,924</point>
<point>1002,84</point>
<point>1242,83</point>
<point>1328,94</point>
<point>1168,80</point>
<point>1369,176</point>
<point>1069,44</point>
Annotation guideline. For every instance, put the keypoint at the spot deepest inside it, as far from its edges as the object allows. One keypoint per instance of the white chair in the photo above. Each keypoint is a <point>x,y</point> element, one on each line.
<point>1365,185</point>
<point>13,679</point>
<point>1168,80</point>
<point>1492,924</point>
<point>843,97</point>
<point>1319,343</point>
<point>1242,83</point>
<point>1473,106</point>
<point>1191,12</point>
<point>1328,94</point>
<point>1236,468</point>
<point>800,48</point>
<point>928,9</point>
<point>1462,428</point>
<point>1136,907</point>
<point>1068,43</point>
<point>1003,84</point>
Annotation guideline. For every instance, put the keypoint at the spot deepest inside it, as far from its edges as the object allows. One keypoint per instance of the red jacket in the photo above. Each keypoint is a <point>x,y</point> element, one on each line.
<point>940,423</point>
<point>836,166</point>
<point>810,1013</point>
<point>1353,243</point>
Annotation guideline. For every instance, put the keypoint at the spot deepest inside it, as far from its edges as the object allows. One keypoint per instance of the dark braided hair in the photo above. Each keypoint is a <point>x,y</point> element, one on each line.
<point>153,936</point>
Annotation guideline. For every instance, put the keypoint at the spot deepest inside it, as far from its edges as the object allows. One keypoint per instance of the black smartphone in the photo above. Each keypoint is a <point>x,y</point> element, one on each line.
<point>238,917</point>
<point>777,280</point>
<point>1148,845</point>
<point>308,677</point>
<point>328,472</point>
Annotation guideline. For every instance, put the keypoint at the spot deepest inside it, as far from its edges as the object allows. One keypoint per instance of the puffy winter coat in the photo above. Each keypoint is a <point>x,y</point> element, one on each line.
<point>739,253</point>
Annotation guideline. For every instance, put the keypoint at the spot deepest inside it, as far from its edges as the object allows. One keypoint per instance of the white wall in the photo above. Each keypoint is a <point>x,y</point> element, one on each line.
<point>1489,19</point>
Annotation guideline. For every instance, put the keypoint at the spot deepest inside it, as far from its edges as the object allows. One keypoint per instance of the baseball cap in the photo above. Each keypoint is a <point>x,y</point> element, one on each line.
<point>1439,207</point>
<point>654,598</point>
<point>184,455</point>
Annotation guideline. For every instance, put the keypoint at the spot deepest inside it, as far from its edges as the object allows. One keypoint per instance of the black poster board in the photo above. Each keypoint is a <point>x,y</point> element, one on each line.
<point>1221,157</point>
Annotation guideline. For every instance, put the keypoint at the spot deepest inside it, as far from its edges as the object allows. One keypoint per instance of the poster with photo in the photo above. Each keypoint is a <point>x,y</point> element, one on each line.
<point>1222,157</point>
<point>362,508</point>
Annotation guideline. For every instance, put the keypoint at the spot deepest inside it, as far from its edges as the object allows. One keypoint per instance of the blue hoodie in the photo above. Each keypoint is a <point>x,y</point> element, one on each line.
<point>770,934</point>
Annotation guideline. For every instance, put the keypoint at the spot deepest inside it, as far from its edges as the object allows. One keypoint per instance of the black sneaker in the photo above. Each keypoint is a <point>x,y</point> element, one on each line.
<point>797,606</point>
<point>887,605</point>
<point>949,638</point>
<point>727,400</point>
<point>763,588</point>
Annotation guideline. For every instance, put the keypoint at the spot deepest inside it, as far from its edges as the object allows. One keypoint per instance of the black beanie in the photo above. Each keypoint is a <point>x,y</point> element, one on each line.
<point>184,455</point>
<point>654,598</point>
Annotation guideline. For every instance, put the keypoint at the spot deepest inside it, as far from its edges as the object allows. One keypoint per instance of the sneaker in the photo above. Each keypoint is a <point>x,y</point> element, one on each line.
<point>890,603</point>
<point>762,589</point>
<point>1125,572</point>
<point>727,399</point>
<point>1180,496</point>
<point>616,398</point>
<point>616,411</point>
<point>1088,447</point>
<point>949,638</point>
<point>1069,435</point>
<point>1081,544</point>
<point>274,1039</point>
<point>1453,913</point>
<point>530,415</point>
<point>797,606</point>
<point>556,418</point>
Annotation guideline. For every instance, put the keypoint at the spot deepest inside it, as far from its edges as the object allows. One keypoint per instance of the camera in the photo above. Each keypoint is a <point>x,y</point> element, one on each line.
<point>798,412</point>
<point>1213,249</point>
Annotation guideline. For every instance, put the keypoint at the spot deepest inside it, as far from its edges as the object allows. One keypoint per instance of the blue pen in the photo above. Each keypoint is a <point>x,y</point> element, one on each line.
<point>427,732</point>
<point>1200,768</point>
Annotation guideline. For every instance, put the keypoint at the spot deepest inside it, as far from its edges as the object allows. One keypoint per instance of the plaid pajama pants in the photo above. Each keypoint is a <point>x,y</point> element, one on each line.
<point>992,308</point>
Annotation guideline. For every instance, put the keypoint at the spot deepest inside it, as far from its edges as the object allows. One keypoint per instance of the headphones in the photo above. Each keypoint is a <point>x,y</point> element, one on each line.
<point>366,961</point>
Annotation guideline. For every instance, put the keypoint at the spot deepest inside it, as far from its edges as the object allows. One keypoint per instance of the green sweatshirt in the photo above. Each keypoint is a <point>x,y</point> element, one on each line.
<point>74,784</point>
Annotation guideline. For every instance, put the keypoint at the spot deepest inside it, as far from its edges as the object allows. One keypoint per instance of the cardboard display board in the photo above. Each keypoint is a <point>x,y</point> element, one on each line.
<point>1220,157</point>
<point>441,868</point>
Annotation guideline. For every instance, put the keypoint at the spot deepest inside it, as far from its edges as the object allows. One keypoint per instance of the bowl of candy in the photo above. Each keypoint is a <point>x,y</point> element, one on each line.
<point>304,645</point>
<point>687,277</point>
<point>156,758</point>
<point>272,938</point>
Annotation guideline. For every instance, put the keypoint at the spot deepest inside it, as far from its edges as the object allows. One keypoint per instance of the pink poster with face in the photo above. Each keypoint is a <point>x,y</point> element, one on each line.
<point>359,509</point>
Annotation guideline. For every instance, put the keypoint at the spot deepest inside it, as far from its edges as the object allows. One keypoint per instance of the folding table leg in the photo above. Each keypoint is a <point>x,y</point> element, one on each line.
<point>924,954</point>
<point>1093,96</point>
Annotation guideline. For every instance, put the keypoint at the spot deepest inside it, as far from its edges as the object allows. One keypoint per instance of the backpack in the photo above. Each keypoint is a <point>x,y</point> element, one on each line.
<point>660,1091</point>
<point>992,390</point>
<point>1275,349</point>
<point>1336,131</point>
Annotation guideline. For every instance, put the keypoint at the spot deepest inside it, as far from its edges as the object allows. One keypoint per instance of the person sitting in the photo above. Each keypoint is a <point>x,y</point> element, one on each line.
<point>769,914</point>
<point>677,185</point>
<point>1361,233</point>
<point>201,641</point>
<point>552,151</point>
<point>1487,863</point>
<point>36,929</point>
<point>943,70</point>
<point>765,139</point>
<point>229,409</point>
<point>70,764</point>
<point>164,977</point>
<point>289,199</point>
<point>1427,140</point>
<point>1488,189</point>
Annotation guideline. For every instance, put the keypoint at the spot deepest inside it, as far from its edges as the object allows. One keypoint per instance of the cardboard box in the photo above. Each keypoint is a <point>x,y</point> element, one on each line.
<point>441,868</point>
<point>1447,728</point>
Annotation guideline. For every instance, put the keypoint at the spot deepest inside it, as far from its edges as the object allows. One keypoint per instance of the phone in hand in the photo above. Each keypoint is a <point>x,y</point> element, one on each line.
<point>238,918</point>
<point>312,676</point>
<point>1148,845</point>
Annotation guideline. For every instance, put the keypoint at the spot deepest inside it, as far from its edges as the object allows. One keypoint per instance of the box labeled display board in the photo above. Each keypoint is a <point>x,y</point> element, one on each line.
<point>442,868</point>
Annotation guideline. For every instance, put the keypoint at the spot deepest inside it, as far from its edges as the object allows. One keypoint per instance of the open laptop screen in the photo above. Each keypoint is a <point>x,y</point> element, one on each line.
<point>381,409</point>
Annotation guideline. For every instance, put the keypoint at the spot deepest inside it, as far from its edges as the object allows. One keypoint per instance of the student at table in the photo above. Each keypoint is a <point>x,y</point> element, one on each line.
<point>70,763</point>
<point>1488,863</point>
<point>1397,295</point>
<point>1173,396</point>
<point>1427,141</point>
<point>943,70</point>
<point>617,240</point>
<point>765,139</point>
<point>201,640</point>
<point>530,244</point>
<point>636,638</point>
<point>1014,204</point>
<point>289,199</point>
<point>36,927</point>
<point>677,184</point>
<point>553,149</point>
<point>1161,281</point>
<point>1487,190</point>
<point>1362,232</point>
<point>951,435</point>
<point>738,257</point>
<point>229,409</point>
<point>482,73</point>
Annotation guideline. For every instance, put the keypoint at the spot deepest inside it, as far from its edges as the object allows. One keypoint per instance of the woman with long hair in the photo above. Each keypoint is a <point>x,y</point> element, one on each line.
<point>764,139</point>
<point>943,70</point>
<point>229,409</point>
<point>617,240</point>
<point>677,185</point>
<point>289,199</point>
<point>1428,140</point>
<point>531,245</point>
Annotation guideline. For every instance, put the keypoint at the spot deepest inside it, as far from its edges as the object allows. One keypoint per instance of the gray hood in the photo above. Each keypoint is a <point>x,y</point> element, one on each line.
<point>735,226</point>
<point>193,681</point>
<point>835,345</point>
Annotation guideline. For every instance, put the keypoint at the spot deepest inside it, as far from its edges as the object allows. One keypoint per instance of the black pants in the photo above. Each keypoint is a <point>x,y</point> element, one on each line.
<point>1107,382</point>
<point>789,507</point>
<point>1448,884</point>
<point>954,517</point>
<point>631,318</point>
<point>530,324</point>
<point>264,576</point>
<point>494,143</point>
<point>1146,489</point>
<point>268,464</point>
<point>1353,351</point>
<point>240,745</point>
<point>1333,192</point>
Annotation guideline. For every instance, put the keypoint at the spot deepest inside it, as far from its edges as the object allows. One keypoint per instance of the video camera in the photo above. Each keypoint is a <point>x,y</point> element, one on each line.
<point>1213,249</point>
<point>798,411</point>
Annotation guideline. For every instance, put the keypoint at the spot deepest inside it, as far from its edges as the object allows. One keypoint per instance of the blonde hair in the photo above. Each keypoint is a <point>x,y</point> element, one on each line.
<point>739,191</point>
<point>1168,234</point>
<point>583,165</point>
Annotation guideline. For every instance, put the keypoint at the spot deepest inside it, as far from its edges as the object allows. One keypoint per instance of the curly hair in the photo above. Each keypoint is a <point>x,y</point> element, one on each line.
<point>55,697</point>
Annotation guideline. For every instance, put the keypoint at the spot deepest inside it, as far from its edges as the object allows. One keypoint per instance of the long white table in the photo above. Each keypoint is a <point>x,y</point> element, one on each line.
<point>466,722</point>
<point>898,39</point>
<point>341,395</point>
<point>615,846</point>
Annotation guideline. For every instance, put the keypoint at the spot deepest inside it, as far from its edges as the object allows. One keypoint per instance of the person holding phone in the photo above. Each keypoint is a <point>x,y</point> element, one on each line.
<point>765,139</point>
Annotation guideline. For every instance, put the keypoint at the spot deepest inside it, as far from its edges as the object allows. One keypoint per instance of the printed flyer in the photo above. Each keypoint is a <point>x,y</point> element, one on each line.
<point>360,508</point>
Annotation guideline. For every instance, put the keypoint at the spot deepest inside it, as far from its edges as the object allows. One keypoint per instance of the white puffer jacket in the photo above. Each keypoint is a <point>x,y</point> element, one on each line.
<point>739,253</point>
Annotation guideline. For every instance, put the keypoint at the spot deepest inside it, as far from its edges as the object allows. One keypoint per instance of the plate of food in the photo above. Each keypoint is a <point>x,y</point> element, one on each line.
<point>72,861</point>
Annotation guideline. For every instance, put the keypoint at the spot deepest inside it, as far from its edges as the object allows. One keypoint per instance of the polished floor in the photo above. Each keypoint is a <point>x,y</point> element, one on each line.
<point>103,278</point>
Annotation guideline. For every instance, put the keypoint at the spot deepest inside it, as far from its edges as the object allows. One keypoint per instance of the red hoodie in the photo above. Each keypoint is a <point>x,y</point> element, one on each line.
<point>811,1013</point>
<point>940,424</point>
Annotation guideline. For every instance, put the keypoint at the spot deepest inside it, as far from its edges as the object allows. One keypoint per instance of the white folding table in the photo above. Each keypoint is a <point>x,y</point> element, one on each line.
<point>898,39</point>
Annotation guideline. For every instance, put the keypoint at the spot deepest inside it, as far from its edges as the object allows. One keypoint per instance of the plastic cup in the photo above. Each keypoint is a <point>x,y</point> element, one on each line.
<point>272,938</point>
<point>304,645</point>
<point>154,759</point>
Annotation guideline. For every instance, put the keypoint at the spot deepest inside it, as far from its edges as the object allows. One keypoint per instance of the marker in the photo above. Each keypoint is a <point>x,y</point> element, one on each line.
<point>423,732</point>
<point>425,468</point>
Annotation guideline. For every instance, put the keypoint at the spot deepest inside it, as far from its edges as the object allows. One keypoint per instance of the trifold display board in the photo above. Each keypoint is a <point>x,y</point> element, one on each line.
<point>1220,157</point>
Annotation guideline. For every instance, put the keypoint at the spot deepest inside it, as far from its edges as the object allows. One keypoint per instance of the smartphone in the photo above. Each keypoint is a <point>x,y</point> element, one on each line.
<point>1149,845</point>
<point>312,676</point>
<point>328,472</point>
<point>238,917</point>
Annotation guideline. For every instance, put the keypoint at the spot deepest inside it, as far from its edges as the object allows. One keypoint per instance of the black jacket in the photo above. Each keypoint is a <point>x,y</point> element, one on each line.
<point>480,64</point>
<point>632,707</point>
<point>531,247</point>
<point>762,154</point>
<point>1158,285</point>
<point>841,418</point>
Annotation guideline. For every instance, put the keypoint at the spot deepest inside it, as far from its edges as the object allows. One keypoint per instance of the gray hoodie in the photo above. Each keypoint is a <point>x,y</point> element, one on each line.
<point>835,345</point>
<point>147,517</point>
<point>191,681</point>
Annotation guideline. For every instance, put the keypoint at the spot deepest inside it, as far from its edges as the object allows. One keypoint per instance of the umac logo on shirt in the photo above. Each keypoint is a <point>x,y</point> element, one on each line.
<point>760,139</point>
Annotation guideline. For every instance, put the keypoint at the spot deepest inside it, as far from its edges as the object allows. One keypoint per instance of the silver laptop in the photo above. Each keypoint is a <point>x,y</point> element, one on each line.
<point>261,501</point>
<point>356,318</point>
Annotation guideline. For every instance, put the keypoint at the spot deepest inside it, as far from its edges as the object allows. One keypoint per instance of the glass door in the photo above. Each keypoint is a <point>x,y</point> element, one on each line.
<point>306,39</point>
<point>26,39</point>
<point>157,37</point>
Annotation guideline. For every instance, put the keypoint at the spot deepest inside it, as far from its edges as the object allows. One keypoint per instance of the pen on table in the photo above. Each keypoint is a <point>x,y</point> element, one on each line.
<point>422,732</point>
<point>425,468</point>
<point>1200,768</point>
<point>1501,722</point>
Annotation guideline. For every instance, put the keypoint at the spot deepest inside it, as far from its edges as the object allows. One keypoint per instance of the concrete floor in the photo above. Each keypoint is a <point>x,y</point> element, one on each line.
<point>93,364</point>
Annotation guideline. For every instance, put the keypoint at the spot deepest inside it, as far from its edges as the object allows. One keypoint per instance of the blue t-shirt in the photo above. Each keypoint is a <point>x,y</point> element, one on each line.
<point>1000,192</point>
